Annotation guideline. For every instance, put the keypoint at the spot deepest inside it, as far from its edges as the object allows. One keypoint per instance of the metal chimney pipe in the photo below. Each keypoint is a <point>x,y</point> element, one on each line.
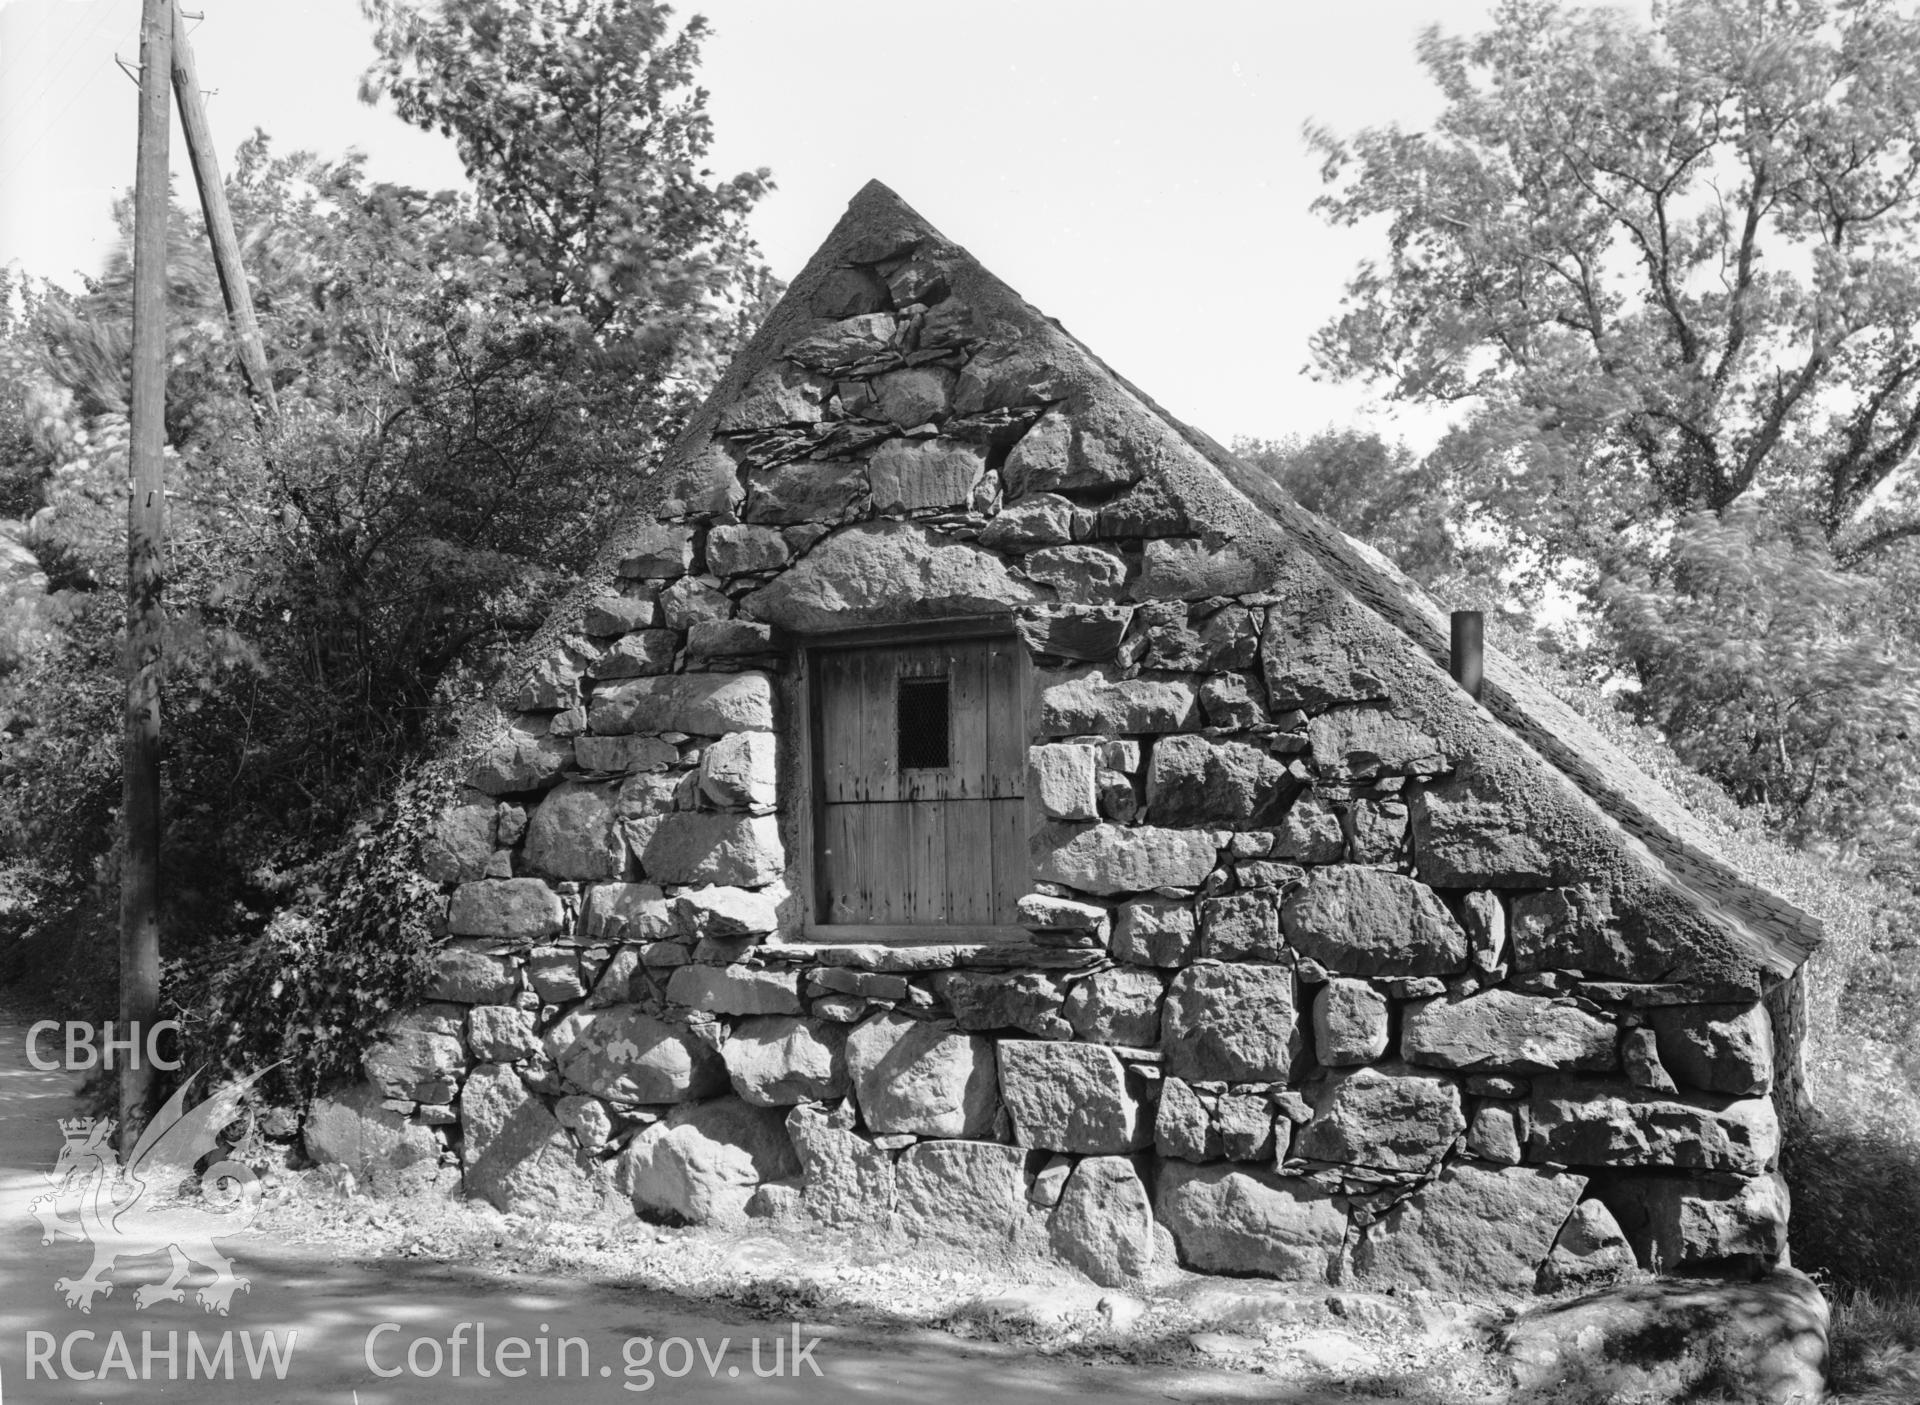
<point>1469,641</point>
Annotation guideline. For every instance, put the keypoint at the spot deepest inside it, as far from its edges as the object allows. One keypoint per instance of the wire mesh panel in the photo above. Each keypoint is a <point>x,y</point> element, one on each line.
<point>923,711</point>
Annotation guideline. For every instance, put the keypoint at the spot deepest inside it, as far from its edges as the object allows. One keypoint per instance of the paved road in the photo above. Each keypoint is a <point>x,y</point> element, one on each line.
<point>320,1315</point>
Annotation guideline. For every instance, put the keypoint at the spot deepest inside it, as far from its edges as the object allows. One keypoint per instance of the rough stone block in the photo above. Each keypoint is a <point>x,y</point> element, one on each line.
<point>1235,1219</point>
<point>517,910</point>
<point>706,704</point>
<point>1469,834</point>
<point>1060,780</point>
<point>658,552</point>
<point>1501,1031</point>
<point>1186,568</point>
<point>736,549</point>
<point>1120,1005</point>
<point>1195,780</point>
<point>704,1161</point>
<point>1721,1048</point>
<point>572,834</point>
<point>736,850</point>
<point>1349,1023</point>
<point>385,1151</point>
<point>636,655</point>
<point>517,1155</point>
<point>628,753</point>
<point>1607,1122</point>
<point>779,395</point>
<point>1311,832</point>
<point>1363,742</point>
<point>457,847</point>
<point>964,1192</point>
<point>518,763</point>
<point>417,1055</point>
<point>1242,927</point>
<point>1386,1116</point>
<point>1474,1232</point>
<point>1235,1023</point>
<point>1103,1224</point>
<point>1183,1125</point>
<point>849,1179</point>
<point>1245,1124</point>
<point>1108,858</point>
<point>1039,519</point>
<point>1673,1221</point>
<point>1081,575</point>
<point>468,972</point>
<point>618,614</point>
<point>1088,701</point>
<point>737,772</point>
<point>626,1056</point>
<point>911,474</point>
<point>914,1077</point>
<point>735,990</point>
<point>501,1034</point>
<point>1069,1097</point>
<point>1155,932</point>
<point>626,912</point>
<point>1075,631</point>
<point>1025,1000</point>
<point>1368,922</point>
<point>780,1060</point>
<point>1589,1252</point>
<point>888,573</point>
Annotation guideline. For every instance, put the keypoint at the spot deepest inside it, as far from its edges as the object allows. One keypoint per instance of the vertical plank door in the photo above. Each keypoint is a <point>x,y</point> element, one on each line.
<point>921,786</point>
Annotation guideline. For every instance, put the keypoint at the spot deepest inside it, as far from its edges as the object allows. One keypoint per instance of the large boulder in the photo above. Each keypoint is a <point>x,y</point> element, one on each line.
<point>1234,1022</point>
<point>1690,1339</point>
<point>1369,922</point>
<point>912,1076</point>
<point>703,1161</point>
<point>1070,1097</point>
<point>1387,1116</point>
<point>780,1060</point>
<point>1103,1224</point>
<point>1502,1031</point>
<point>1474,1231</point>
<point>1235,1219</point>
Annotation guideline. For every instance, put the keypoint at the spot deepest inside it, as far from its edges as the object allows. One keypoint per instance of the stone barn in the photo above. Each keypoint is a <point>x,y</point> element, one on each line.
<point>972,805</point>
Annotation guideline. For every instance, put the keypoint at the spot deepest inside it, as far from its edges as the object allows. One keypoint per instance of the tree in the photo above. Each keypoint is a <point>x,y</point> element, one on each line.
<point>1666,275</point>
<point>584,134</point>
<point>1664,268</point>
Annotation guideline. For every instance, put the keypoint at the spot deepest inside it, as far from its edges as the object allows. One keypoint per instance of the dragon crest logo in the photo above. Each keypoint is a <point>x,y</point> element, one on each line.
<point>161,1201</point>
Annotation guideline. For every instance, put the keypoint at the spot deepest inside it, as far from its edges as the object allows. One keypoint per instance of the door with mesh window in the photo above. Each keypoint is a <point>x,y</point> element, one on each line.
<point>919,778</point>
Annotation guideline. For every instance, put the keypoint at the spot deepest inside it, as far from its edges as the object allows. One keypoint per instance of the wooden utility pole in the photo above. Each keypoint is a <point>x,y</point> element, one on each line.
<point>146,529</point>
<point>213,205</point>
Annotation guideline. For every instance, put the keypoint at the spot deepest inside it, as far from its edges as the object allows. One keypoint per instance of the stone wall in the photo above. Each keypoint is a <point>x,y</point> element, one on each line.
<point>1326,975</point>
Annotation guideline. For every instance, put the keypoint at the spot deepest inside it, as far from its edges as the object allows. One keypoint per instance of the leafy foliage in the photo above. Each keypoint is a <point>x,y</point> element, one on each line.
<point>1768,669</point>
<point>1665,266</point>
<point>463,404</point>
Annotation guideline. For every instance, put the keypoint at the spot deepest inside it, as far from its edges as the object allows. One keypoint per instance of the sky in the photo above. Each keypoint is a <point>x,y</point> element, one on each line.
<point>1135,170</point>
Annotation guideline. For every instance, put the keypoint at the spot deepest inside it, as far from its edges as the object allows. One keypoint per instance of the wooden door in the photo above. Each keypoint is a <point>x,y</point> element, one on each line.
<point>920,780</point>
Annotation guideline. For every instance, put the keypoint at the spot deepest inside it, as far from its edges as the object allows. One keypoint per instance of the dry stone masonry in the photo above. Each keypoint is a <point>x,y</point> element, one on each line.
<point>1327,972</point>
